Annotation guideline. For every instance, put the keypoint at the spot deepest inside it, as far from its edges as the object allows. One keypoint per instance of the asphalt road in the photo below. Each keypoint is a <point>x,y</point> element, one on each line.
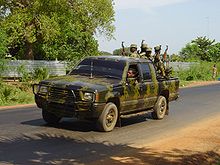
<point>25,139</point>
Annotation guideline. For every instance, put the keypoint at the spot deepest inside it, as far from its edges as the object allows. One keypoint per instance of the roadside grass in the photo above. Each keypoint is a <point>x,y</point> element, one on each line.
<point>197,72</point>
<point>15,93</point>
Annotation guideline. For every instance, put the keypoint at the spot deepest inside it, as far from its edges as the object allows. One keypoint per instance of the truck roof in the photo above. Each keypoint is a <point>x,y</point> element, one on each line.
<point>119,58</point>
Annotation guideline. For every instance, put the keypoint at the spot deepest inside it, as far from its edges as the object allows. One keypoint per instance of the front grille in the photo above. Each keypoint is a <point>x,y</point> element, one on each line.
<point>62,109</point>
<point>63,96</point>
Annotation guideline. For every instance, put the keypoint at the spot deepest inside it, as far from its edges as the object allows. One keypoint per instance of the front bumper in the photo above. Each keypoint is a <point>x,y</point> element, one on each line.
<point>80,109</point>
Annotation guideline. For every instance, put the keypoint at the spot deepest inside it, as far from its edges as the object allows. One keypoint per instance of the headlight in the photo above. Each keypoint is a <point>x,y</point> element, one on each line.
<point>42,90</point>
<point>88,96</point>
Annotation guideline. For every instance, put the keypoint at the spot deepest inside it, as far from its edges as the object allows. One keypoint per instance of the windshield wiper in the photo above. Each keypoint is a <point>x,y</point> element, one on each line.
<point>110,76</point>
<point>82,74</point>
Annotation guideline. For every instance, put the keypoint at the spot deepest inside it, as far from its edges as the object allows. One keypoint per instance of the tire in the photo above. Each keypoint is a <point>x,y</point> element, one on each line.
<point>160,108</point>
<point>50,118</point>
<point>108,118</point>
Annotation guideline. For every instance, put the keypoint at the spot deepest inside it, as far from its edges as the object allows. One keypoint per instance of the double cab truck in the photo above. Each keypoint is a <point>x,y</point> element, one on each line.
<point>99,89</point>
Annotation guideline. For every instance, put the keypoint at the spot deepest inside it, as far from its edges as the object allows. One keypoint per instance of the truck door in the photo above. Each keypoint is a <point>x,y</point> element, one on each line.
<point>131,94</point>
<point>149,86</point>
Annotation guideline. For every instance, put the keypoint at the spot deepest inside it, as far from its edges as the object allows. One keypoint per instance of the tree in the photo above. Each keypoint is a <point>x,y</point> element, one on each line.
<point>3,44</point>
<point>204,44</point>
<point>175,58</point>
<point>189,52</point>
<point>49,29</point>
<point>214,52</point>
<point>104,53</point>
<point>120,50</point>
<point>198,49</point>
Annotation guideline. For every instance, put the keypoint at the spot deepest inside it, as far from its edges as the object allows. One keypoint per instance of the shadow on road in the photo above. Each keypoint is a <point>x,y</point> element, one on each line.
<point>56,149</point>
<point>87,126</point>
<point>69,124</point>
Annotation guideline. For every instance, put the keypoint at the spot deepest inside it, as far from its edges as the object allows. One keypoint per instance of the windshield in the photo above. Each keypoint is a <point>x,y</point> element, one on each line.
<point>100,67</point>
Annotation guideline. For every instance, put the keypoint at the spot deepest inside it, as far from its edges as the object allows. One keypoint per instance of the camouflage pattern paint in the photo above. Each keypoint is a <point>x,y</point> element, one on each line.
<point>130,94</point>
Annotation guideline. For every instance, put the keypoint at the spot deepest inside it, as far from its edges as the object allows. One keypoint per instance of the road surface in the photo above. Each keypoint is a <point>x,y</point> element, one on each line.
<point>26,139</point>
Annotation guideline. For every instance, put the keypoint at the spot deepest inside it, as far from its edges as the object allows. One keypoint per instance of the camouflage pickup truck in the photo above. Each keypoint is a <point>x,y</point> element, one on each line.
<point>99,89</point>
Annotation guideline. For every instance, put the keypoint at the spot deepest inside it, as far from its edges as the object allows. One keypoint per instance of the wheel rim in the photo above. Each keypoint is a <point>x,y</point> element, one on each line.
<point>162,107</point>
<point>110,118</point>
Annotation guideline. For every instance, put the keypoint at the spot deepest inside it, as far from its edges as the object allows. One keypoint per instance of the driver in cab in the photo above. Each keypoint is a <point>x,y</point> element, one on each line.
<point>132,76</point>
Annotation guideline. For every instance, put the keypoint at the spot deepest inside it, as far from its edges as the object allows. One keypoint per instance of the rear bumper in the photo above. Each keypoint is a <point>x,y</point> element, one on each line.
<point>80,109</point>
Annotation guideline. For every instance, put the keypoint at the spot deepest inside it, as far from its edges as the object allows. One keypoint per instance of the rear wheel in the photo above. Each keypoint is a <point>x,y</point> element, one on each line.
<point>107,120</point>
<point>50,118</point>
<point>160,108</point>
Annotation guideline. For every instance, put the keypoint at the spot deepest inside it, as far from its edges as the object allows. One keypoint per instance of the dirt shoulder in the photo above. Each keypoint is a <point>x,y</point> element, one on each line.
<point>17,106</point>
<point>197,144</point>
<point>200,83</point>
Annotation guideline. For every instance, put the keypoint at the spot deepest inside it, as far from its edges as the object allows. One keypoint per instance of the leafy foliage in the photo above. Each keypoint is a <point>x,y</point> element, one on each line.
<point>15,94</point>
<point>104,53</point>
<point>198,72</point>
<point>40,73</point>
<point>24,74</point>
<point>202,49</point>
<point>176,58</point>
<point>3,43</point>
<point>120,50</point>
<point>3,66</point>
<point>50,29</point>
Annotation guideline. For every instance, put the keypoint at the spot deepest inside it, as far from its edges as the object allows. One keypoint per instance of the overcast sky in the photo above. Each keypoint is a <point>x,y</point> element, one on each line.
<point>163,22</point>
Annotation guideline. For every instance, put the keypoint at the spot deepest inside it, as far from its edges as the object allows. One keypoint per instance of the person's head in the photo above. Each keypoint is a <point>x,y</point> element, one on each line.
<point>133,48</point>
<point>149,50</point>
<point>157,49</point>
<point>131,73</point>
<point>144,47</point>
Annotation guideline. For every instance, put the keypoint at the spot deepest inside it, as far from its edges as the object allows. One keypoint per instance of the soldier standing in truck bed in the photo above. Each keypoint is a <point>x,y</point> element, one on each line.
<point>133,51</point>
<point>143,50</point>
<point>158,62</point>
<point>148,54</point>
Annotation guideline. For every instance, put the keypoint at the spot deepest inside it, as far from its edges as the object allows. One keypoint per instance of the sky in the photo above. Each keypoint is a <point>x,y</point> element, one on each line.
<point>163,22</point>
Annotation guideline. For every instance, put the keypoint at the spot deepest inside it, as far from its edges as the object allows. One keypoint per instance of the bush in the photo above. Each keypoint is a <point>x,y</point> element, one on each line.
<point>40,73</point>
<point>15,94</point>
<point>3,66</point>
<point>197,72</point>
<point>24,74</point>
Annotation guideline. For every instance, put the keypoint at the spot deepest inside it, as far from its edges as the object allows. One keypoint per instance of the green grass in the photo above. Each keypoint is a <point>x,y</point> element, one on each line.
<point>16,93</point>
<point>198,72</point>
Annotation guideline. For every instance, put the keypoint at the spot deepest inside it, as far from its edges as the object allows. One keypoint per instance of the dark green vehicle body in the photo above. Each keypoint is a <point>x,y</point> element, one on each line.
<point>96,81</point>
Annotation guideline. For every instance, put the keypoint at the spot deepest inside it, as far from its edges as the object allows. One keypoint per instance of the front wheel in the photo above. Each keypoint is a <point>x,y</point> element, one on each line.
<point>50,118</point>
<point>160,108</point>
<point>107,120</point>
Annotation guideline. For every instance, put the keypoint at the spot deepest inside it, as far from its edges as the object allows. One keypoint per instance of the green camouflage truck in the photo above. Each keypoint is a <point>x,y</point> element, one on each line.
<point>99,89</point>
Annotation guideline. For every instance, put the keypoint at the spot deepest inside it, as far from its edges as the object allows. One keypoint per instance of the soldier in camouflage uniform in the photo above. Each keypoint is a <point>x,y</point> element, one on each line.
<point>143,50</point>
<point>133,51</point>
<point>158,62</point>
<point>148,54</point>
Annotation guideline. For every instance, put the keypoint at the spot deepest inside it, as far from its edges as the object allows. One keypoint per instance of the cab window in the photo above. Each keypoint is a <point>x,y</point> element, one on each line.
<point>146,71</point>
<point>133,72</point>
